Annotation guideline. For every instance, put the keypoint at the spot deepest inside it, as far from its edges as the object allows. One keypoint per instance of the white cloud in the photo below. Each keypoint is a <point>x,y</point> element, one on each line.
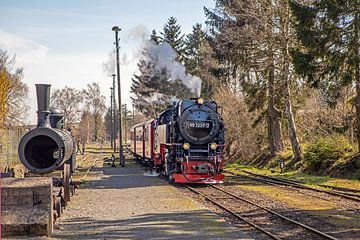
<point>27,51</point>
<point>75,70</point>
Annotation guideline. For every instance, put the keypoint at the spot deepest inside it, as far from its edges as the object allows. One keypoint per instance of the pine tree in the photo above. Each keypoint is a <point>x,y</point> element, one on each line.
<point>330,56</point>
<point>198,53</point>
<point>152,92</point>
<point>172,35</point>
<point>209,72</point>
<point>153,88</point>
<point>154,37</point>
<point>107,123</point>
<point>253,40</point>
<point>244,48</point>
<point>193,44</point>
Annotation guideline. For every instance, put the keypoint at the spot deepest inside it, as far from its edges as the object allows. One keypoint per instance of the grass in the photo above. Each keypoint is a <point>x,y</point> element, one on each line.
<point>313,206</point>
<point>293,200</point>
<point>295,175</point>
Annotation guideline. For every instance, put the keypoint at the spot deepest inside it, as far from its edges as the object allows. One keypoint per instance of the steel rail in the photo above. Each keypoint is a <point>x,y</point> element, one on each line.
<point>298,185</point>
<point>233,213</point>
<point>350,191</point>
<point>278,214</point>
<point>95,161</point>
<point>346,191</point>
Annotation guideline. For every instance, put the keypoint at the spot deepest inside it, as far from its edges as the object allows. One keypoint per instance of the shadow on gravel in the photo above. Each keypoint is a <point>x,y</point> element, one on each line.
<point>197,224</point>
<point>132,176</point>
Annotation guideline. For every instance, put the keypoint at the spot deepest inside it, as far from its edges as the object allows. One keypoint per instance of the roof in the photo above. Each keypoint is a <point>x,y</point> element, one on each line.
<point>142,124</point>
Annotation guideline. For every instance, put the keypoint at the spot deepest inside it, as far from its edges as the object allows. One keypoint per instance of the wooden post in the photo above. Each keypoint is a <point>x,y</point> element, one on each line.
<point>51,213</point>
<point>66,182</point>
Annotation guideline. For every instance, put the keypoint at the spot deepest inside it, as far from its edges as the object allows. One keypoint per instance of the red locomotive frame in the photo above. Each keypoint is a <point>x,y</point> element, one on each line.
<point>148,143</point>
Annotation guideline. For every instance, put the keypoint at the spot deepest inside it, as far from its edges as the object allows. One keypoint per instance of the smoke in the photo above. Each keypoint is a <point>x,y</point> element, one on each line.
<point>124,59</point>
<point>165,57</point>
<point>155,97</point>
<point>109,66</point>
<point>139,32</point>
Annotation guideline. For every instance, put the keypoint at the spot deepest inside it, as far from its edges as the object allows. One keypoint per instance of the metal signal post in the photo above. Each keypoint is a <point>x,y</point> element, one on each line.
<point>116,29</point>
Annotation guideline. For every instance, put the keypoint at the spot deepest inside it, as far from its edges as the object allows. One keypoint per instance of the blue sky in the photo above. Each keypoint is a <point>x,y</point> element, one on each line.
<point>65,43</point>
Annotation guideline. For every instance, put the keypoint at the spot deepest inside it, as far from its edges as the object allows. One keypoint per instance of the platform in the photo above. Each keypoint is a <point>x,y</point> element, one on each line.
<point>125,204</point>
<point>26,206</point>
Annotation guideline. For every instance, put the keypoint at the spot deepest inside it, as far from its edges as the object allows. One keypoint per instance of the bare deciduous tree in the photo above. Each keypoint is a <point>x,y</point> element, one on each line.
<point>95,103</point>
<point>69,101</point>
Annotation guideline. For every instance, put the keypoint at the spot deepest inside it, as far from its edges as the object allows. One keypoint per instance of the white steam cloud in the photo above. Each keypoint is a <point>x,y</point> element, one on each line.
<point>109,67</point>
<point>165,57</point>
<point>138,32</point>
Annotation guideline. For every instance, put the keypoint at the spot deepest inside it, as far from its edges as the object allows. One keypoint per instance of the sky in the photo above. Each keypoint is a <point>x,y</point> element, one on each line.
<point>66,43</point>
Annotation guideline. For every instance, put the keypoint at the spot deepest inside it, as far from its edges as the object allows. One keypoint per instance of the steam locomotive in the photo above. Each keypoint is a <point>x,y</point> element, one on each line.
<point>47,147</point>
<point>185,142</point>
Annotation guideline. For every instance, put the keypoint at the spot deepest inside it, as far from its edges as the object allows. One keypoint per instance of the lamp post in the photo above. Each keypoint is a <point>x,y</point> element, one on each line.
<point>114,114</point>
<point>116,29</point>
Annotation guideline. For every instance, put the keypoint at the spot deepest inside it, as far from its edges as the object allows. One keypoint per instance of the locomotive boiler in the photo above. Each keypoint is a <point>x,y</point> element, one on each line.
<point>48,146</point>
<point>185,142</point>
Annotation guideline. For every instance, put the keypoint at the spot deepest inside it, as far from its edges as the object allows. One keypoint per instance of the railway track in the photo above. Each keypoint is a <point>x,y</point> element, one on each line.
<point>340,189</point>
<point>261,218</point>
<point>290,183</point>
<point>88,169</point>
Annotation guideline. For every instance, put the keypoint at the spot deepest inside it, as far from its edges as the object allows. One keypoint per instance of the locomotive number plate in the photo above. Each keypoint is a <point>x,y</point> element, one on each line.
<point>199,125</point>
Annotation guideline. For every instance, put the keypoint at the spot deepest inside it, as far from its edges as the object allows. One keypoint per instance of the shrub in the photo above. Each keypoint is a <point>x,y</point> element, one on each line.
<point>325,151</point>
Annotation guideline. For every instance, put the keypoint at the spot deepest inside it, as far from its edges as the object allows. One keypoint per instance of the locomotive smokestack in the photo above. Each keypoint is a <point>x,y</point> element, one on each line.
<point>43,102</point>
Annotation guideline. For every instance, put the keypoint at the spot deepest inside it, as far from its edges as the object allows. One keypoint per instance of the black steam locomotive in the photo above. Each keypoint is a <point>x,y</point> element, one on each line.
<point>185,142</point>
<point>48,146</point>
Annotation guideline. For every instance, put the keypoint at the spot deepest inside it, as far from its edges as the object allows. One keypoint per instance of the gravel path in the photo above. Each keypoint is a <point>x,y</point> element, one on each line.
<point>122,203</point>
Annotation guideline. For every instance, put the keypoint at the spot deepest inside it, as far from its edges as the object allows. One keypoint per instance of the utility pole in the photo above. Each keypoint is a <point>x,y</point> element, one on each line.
<point>125,122</point>
<point>133,115</point>
<point>111,118</point>
<point>116,29</point>
<point>114,113</point>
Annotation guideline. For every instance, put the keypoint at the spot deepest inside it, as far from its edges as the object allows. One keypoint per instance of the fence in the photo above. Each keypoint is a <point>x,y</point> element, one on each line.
<point>9,142</point>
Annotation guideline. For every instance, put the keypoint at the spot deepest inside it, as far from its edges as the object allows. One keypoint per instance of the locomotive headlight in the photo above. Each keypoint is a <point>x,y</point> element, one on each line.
<point>213,146</point>
<point>186,146</point>
<point>200,101</point>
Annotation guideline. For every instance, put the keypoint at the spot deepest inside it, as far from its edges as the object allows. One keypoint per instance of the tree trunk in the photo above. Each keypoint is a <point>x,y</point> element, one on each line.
<point>274,126</point>
<point>96,127</point>
<point>295,144</point>
<point>357,77</point>
<point>88,127</point>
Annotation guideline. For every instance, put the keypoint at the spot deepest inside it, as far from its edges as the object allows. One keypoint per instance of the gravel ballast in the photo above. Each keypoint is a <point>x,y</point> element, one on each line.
<point>122,203</point>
